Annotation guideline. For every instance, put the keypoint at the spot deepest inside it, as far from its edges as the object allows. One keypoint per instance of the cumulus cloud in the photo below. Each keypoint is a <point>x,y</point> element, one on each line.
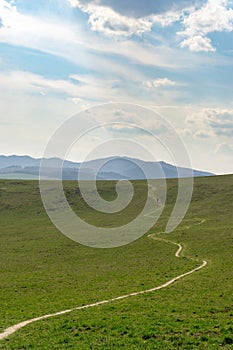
<point>225,149</point>
<point>184,132</point>
<point>161,82</point>
<point>134,17</point>
<point>198,43</point>
<point>221,121</point>
<point>218,122</point>
<point>203,134</point>
<point>214,16</point>
<point>105,19</point>
<point>125,18</point>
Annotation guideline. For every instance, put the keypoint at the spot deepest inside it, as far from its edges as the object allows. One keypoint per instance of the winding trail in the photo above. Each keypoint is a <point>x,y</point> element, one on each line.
<point>11,330</point>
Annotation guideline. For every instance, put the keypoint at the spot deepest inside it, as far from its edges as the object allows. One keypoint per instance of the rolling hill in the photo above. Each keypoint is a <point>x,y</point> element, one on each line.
<point>43,272</point>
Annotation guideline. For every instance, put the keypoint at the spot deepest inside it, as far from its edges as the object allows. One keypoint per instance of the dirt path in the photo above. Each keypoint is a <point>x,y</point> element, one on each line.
<point>11,330</point>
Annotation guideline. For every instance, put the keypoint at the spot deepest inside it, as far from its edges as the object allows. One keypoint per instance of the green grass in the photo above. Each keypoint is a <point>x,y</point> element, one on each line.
<point>44,272</point>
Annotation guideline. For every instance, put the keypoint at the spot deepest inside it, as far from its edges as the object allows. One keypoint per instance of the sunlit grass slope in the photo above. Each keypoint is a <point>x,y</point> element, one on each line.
<point>43,272</point>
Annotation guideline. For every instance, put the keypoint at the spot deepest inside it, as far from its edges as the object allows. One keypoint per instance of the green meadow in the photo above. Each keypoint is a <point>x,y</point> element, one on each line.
<point>43,272</point>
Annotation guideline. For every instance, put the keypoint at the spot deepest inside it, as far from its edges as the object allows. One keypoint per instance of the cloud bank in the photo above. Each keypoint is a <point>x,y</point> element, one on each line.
<point>125,18</point>
<point>214,16</point>
<point>135,17</point>
<point>213,122</point>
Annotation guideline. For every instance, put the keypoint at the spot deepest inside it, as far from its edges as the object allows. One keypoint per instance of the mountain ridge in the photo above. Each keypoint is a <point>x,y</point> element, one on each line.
<point>111,168</point>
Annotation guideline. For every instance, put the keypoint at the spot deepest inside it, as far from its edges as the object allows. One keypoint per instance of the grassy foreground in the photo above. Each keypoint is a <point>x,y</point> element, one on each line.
<point>42,272</point>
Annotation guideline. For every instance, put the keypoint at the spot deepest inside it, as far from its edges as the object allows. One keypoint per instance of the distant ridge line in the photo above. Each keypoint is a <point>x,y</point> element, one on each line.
<point>111,168</point>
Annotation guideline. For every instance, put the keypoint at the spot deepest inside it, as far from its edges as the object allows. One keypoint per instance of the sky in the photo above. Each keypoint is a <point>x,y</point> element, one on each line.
<point>175,57</point>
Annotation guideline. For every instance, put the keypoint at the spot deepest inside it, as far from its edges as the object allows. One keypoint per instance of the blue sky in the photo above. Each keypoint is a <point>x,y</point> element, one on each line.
<point>58,57</point>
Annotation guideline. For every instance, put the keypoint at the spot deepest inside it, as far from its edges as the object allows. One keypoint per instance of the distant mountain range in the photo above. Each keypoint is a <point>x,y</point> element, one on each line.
<point>113,168</point>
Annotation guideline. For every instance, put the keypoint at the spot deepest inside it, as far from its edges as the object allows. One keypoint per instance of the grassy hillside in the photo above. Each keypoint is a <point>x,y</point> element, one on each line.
<point>43,272</point>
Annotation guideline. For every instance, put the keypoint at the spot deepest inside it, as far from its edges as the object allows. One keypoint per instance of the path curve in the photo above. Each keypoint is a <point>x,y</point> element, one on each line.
<point>11,330</point>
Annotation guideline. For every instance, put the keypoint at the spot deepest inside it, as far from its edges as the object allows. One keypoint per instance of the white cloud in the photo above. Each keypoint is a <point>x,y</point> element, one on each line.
<point>69,41</point>
<point>161,82</point>
<point>83,90</point>
<point>106,19</point>
<point>23,28</point>
<point>80,89</point>
<point>198,43</point>
<point>86,49</point>
<point>214,16</point>
<point>183,132</point>
<point>203,134</point>
<point>212,122</point>
<point>199,18</point>
<point>126,129</point>
<point>21,81</point>
<point>225,148</point>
